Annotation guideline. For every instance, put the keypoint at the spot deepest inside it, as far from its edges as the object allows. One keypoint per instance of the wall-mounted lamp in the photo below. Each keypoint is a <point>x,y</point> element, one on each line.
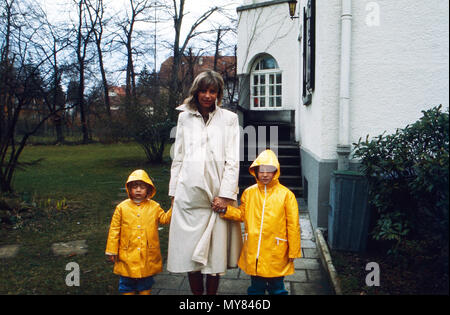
<point>292,8</point>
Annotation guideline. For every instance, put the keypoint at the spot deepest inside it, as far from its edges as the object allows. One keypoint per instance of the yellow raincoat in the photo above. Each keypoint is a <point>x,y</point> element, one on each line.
<point>133,234</point>
<point>272,229</point>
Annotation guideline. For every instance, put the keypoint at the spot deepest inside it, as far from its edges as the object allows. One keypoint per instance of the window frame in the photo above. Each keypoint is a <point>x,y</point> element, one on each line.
<point>276,97</point>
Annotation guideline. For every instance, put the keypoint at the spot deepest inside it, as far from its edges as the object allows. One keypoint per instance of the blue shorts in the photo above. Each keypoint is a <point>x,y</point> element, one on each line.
<point>127,285</point>
<point>259,285</point>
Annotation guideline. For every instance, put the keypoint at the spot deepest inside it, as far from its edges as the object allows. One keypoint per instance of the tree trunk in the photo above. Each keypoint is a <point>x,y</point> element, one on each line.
<point>216,54</point>
<point>177,55</point>
<point>105,86</point>
<point>82,107</point>
<point>57,121</point>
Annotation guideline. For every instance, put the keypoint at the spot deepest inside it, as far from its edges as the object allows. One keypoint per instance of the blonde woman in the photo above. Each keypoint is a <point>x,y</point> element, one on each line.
<point>204,173</point>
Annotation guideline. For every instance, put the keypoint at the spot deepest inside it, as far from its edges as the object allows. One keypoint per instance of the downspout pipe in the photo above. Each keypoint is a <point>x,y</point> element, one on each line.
<point>343,147</point>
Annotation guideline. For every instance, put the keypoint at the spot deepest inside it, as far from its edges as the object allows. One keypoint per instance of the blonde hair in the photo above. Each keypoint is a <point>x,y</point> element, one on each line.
<point>204,80</point>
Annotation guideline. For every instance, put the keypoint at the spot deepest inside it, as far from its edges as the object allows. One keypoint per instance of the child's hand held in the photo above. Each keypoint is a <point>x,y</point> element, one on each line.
<point>112,258</point>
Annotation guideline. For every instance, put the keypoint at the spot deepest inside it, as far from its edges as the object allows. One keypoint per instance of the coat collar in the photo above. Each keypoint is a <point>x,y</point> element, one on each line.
<point>189,109</point>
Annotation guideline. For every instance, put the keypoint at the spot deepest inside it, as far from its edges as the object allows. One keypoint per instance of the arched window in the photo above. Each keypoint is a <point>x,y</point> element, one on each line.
<point>265,84</point>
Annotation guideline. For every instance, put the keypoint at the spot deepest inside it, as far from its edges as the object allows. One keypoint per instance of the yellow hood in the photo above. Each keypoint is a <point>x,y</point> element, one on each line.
<point>143,176</point>
<point>266,157</point>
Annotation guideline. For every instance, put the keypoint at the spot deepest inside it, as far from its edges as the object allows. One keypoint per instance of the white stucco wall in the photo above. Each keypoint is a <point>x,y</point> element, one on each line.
<point>270,30</point>
<point>399,68</point>
<point>318,121</point>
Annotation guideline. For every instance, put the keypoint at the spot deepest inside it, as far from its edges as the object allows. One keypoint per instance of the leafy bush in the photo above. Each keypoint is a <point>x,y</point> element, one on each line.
<point>408,174</point>
<point>150,126</point>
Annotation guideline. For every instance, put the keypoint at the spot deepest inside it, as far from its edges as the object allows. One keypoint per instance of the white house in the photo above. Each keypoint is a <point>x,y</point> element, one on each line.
<point>370,67</point>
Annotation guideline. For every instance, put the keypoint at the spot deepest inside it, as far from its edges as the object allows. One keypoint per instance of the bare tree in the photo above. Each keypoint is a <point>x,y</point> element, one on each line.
<point>188,72</point>
<point>96,11</point>
<point>220,43</point>
<point>229,74</point>
<point>6,71</point>
<point>54,39</point>
<point>223,44</point>
<point>84,31</point>
<point>138,12</point>
<point>179,46</point>
<point>24,80</point>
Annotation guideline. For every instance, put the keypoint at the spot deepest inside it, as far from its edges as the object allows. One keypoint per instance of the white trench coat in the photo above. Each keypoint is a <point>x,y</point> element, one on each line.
<point>205,165</point>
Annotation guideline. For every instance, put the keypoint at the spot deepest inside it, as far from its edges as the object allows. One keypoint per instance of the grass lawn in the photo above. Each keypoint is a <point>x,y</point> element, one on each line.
<point>90,178</point>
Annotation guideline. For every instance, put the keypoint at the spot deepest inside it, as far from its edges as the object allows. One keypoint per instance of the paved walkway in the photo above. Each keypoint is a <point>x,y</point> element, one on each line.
<point>309,277</point>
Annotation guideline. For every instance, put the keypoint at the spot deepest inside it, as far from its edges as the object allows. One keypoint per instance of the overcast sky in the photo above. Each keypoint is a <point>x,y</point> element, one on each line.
<point>60,10</point>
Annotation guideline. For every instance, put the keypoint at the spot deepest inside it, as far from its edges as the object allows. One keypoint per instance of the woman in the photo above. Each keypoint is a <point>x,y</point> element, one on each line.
<point>204,173</point>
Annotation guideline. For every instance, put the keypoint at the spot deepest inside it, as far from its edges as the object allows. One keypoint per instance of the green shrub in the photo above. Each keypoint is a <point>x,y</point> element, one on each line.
<point>408,174</point>
<point>149,125</point>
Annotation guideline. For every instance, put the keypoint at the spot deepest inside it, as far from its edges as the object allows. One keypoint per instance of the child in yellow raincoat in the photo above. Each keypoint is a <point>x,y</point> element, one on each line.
<point>269,211</point>
<point>133,240</point>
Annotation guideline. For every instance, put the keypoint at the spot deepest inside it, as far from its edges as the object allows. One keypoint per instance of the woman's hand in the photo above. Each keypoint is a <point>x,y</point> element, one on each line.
<point>220,203</point>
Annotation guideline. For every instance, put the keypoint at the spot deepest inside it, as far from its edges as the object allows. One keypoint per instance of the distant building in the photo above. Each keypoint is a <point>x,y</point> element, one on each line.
<point>116,94</point>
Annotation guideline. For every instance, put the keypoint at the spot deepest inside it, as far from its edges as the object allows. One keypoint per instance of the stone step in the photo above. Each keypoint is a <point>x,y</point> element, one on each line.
<point>283,131</point>
<point>283,159</point>
<point>70,248</point>
<point>9,251</point>
<point>289,148</point>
